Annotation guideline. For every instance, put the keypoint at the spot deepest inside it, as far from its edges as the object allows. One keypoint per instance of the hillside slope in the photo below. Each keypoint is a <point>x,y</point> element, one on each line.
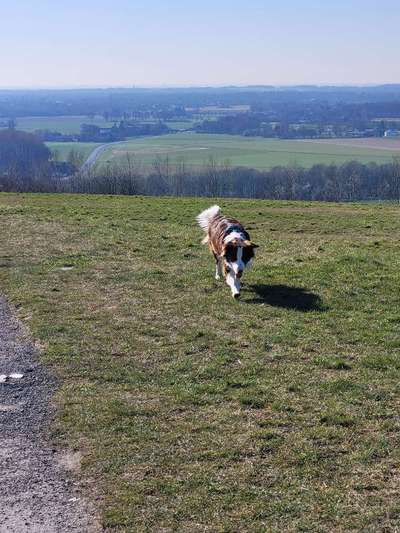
<point>195,412</point>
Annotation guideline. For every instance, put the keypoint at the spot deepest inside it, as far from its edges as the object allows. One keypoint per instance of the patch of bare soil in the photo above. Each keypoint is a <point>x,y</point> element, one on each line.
<point>38,491</point>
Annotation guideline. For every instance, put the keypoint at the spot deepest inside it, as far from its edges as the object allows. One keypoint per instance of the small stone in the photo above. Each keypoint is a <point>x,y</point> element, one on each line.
<point>3,378</point>
<point>16,376</point>
<point>5,408</point>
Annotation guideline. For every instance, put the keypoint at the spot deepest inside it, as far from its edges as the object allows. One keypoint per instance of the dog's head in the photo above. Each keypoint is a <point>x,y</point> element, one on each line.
<point>237,255</point>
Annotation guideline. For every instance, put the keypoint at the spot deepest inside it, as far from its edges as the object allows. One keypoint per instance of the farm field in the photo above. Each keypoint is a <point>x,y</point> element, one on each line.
<point>181,124</point>
<point>71,124</point>
<point>252,152</point>
<point>371,143</point>
<point>61,150</point>
<point>196,412</point>
<point>63,124</point>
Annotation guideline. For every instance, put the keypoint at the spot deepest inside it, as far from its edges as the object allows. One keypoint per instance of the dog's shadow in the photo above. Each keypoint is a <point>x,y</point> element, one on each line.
<point>296,298</point>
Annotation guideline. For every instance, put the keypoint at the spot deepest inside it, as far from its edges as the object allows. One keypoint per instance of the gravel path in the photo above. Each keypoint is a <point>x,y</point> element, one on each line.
<point>37,492</point>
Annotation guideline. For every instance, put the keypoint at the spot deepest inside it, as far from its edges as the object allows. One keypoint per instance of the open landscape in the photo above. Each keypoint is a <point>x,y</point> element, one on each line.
<point>197,149</point>
<point>72,123</point>
<point>252,152</point>
<point>371,143</point>
<point>200,267</point>
<point>195,412</point>
<point>63,124</point>
<point>61,150</point>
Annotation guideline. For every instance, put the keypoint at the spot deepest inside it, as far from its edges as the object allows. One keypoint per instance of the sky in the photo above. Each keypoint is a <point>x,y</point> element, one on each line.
<point>97,43</point>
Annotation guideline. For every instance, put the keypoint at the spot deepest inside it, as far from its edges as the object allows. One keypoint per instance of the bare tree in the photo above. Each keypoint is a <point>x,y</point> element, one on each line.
<point>396,178</point>
<point>76,158</point>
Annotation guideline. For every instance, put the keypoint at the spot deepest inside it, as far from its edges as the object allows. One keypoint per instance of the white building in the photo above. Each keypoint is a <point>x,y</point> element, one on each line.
<point>392,133</point>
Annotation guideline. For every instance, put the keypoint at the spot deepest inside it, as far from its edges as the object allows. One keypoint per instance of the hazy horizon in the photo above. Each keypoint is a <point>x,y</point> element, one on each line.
<point>177,44</point>
<point>200,86</point>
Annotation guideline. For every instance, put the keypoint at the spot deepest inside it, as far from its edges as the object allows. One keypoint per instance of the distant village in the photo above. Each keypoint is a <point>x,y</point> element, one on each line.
<point>282,120</point>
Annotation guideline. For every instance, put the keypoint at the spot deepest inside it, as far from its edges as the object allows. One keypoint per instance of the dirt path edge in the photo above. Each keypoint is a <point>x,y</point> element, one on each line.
<point>38,493</point>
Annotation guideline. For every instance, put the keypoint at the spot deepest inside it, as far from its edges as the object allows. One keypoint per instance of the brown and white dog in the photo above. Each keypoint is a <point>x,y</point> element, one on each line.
<point>230,244</point>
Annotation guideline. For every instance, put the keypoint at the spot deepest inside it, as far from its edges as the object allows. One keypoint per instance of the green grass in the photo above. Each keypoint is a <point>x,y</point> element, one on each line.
<point>252,152</point>
<point>195,412</point>
<point>72,124</point>
<point>61,150</point>
<point>197,149</point>
<point>63,124</point>
<point>181,124</point>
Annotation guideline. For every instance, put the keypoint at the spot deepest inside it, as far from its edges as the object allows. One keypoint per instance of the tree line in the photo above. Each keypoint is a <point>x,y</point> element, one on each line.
<point>26,165</point>
<point>292,124</point>
<point>351,181</point>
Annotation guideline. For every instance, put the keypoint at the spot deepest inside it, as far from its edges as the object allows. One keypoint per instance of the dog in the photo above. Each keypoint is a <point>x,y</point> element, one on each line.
<point>230,245</point>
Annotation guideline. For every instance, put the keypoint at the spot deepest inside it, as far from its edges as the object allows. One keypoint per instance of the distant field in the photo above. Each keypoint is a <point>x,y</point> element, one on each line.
<point>371,143</point>
<point>254,152</point>
<point>197,413</point>
<point>180,124</point>
<point>71,124</point>
<point>61,150</point>
<point>197,149</point>
<point>62,124</point>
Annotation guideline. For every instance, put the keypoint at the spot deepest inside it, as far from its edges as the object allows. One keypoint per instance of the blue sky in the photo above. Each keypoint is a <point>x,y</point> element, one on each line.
<point>181,43</point>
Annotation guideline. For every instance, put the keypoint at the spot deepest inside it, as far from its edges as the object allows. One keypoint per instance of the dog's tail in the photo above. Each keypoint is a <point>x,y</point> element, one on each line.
<point>204,218</point>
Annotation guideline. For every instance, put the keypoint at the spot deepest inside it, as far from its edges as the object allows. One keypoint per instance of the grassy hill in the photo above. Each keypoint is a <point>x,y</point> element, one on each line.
<point>195,412</point>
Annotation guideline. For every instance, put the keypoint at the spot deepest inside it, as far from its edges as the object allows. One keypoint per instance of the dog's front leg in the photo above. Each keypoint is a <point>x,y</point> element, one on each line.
<point>218,269</point>
<point>233,283</point>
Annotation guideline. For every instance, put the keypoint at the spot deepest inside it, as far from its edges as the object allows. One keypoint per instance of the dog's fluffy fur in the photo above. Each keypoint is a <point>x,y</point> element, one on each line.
<point>230,245</point>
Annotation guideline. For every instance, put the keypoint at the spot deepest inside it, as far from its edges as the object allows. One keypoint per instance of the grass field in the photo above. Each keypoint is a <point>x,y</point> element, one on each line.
<point>196,149</point>
<point>62,124</point>
<point>72,124</point>
<point>252,152</point>
<point>61,150</point>
<point>194,412</point>
<point>181,124</point>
